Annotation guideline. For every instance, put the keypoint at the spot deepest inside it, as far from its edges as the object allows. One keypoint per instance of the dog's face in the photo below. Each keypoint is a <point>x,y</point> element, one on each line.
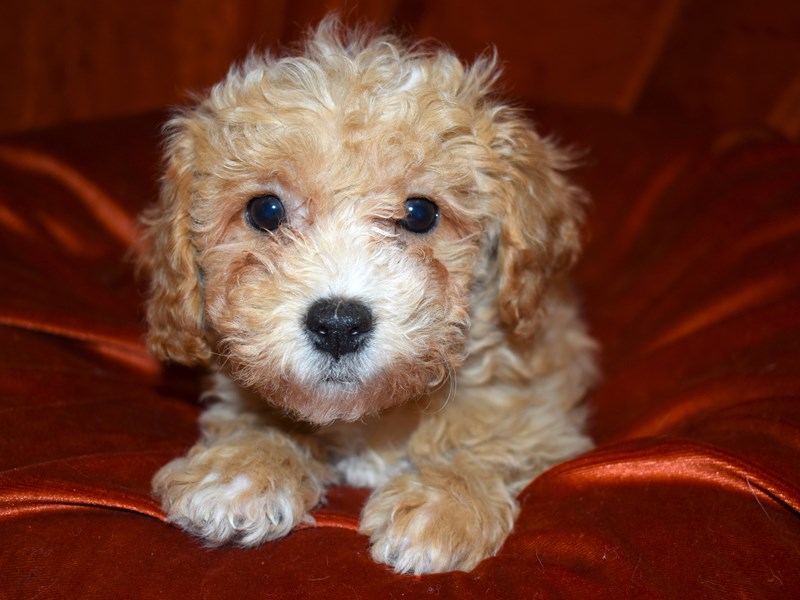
<point>330,225</point>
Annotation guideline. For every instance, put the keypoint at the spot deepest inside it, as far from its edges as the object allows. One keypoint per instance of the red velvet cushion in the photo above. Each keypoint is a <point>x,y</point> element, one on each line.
<point>691,281</point>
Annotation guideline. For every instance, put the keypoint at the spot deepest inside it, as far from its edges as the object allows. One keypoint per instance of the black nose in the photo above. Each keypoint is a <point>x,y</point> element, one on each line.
<point>338,326</point>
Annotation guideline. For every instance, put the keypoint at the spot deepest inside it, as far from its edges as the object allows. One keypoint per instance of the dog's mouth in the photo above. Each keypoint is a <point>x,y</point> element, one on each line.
<point>345,390</point>
<point>338,375</point>
<point>347,373</point>
<point>337,379</point>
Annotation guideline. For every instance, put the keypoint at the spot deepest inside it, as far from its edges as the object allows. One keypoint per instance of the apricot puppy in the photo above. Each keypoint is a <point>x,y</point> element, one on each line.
<point>369,251</point>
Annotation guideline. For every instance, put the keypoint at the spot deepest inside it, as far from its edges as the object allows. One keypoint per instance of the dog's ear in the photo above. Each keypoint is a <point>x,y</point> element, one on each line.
<point>540,222</point>
<point>174,300</point>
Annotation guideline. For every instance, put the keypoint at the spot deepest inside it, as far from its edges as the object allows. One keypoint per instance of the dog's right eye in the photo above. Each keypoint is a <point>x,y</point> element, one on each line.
<point>265,213</point>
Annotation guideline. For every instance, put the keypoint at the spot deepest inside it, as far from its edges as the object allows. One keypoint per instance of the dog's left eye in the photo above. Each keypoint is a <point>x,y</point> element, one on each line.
<point>421,215</point>
<point>265,213</point>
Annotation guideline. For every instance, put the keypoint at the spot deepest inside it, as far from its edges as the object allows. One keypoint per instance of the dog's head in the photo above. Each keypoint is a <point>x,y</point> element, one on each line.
<point>330,222</point>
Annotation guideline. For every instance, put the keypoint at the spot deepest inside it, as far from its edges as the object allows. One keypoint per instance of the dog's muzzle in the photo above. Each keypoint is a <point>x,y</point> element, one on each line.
<point>338,327</point>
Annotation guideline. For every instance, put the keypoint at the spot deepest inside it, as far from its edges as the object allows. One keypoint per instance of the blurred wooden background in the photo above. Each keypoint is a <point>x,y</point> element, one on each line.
<point>730,62</point>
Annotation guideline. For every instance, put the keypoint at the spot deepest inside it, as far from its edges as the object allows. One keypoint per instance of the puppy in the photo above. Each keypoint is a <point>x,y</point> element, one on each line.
<point>369,251</point>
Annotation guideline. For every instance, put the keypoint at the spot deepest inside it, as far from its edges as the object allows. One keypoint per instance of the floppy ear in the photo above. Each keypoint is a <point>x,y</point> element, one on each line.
<point>174,300</point>
<point>540,230</point>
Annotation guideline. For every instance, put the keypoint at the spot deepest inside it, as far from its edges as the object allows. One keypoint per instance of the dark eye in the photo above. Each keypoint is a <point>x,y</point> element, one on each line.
<point>421,215</point>
<point>265,213</point>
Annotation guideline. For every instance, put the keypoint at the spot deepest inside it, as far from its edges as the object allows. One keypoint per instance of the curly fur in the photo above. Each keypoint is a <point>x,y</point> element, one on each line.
<point>471,381</point>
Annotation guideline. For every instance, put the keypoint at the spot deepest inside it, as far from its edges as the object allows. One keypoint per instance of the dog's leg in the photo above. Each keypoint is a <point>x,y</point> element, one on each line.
<point>244,482</point>
<point>458,503</point>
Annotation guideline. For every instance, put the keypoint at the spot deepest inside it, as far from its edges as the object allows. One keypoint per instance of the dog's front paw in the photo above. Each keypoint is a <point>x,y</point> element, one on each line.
<point>437,520</point>
<point>246,491</point>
